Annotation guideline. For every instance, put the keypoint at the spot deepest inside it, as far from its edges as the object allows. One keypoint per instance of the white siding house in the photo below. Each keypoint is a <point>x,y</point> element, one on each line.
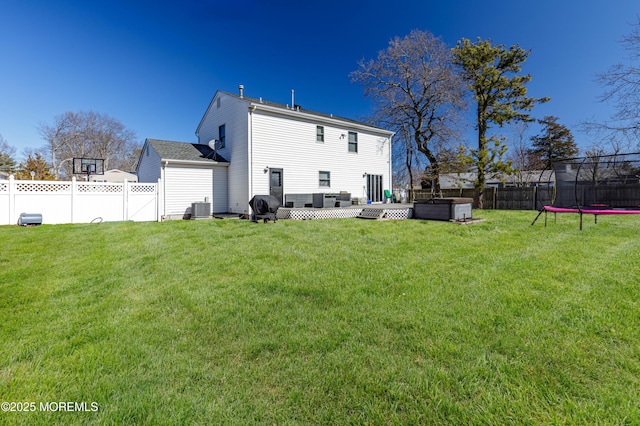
<point>268,148</point>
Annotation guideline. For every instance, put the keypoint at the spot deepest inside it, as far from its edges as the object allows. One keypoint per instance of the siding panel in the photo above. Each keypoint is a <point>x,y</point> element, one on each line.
<point>220,190</point>
<point>185,185</point>
<point>233,113</point>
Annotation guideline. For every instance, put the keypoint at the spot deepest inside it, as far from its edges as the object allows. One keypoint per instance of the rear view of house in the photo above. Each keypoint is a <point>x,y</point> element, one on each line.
<point>248,147</point>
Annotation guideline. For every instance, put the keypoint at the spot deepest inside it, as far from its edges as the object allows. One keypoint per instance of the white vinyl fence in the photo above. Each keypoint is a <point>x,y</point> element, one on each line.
<point>78,202</point>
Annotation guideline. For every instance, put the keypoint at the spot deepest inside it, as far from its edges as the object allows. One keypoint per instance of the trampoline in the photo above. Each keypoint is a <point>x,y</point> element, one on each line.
<point>596,185</point>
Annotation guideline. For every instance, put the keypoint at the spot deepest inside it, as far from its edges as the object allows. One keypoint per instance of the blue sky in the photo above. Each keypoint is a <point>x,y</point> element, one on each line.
<point>155,65</point>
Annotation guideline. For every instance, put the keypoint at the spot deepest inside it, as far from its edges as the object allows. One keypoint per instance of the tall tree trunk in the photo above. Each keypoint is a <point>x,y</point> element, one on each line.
<point>434,165</point>
<point>409,169</point>
<point>435,170</point>
<point>482,154</point>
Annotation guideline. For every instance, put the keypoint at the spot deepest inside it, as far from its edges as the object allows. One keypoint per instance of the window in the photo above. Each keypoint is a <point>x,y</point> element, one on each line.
<point>324,179</point>
<point>320,134</point>
<point>221,137</point>
<point>353,142</point>
<point>276,178</point>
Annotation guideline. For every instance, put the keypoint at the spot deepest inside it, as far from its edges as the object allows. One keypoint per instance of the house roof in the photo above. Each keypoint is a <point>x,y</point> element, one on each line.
<point>118,171</point>
<point>286,108</point>
<point>184,151</point>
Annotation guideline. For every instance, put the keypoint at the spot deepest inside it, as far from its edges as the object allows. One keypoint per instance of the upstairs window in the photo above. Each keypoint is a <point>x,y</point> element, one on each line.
<point>221,137</point>
<point>320,134</point>
<point>324,179</point>
<point>353,142</point>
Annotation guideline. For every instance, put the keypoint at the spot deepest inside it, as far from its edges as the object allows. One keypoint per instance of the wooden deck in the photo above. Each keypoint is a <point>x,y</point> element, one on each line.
<point>367,211</point>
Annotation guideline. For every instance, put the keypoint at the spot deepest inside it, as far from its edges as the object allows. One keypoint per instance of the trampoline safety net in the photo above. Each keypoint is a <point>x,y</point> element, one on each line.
<point>602,182</point>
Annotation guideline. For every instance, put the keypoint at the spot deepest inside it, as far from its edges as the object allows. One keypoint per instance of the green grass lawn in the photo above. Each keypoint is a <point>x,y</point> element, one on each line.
<point>323,322</point>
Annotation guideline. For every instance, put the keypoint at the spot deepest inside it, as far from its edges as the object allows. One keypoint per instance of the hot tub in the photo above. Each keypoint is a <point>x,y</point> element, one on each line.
<point>454,208</point>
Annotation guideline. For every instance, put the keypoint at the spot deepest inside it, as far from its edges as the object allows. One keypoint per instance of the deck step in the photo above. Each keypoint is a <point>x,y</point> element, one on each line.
<point>368,213</point>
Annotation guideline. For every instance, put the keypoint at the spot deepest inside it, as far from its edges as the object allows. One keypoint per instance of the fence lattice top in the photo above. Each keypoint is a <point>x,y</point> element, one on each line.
<point>43,186</point>
<point>64,187</point>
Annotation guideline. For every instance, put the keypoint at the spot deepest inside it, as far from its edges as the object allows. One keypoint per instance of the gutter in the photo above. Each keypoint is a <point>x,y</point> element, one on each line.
<point>195,162</point>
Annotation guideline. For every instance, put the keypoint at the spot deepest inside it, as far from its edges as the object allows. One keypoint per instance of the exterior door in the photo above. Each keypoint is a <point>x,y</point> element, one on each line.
<point>374,188</point>
<point>275,184</point>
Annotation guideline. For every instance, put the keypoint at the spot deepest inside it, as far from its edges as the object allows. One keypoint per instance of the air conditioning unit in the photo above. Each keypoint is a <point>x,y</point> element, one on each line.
<point>200,210</point>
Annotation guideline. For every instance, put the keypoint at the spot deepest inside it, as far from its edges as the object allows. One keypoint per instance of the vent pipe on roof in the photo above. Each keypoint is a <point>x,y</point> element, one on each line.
<point>241,89</point>
<point>292,99</point>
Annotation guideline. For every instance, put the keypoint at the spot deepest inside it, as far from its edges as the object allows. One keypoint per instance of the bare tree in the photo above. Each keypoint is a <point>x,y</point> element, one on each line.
<point>88,135</point>
<point>416,89</point>
<point>403,147</point>
<point>522,160</point>
<point>622,88</point>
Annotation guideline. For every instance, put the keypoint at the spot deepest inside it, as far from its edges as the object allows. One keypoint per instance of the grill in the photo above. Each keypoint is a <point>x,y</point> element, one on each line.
<point>264,207</point>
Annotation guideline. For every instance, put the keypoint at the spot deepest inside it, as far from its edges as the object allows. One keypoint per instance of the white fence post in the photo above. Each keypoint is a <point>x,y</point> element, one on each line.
<point>12,202</point>
<point>125,200</point>
<point>74,188</point>
<point>160,200</point>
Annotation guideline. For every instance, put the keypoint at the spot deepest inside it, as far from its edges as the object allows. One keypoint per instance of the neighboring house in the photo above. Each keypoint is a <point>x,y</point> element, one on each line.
<point>115,175</point>
<point>267,148</point>
<point>520,179</point>
<point>4,175</point>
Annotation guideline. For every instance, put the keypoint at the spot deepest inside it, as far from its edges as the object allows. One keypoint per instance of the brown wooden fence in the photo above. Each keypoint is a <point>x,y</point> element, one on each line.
<point>531,198</point>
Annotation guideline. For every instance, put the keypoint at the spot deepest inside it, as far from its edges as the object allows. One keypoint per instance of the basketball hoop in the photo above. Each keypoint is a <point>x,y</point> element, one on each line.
<point>88,166</point>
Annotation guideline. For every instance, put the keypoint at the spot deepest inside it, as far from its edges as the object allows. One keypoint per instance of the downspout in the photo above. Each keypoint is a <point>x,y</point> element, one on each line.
<point>390,168</point>
<point>252,108</point>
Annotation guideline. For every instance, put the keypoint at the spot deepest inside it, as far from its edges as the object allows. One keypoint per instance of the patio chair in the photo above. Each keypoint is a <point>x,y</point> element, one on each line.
<point>389,196</point>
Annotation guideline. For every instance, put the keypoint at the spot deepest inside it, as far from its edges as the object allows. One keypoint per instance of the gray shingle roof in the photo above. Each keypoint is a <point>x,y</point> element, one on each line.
<point>184,151</point>
<point>299,108</point>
